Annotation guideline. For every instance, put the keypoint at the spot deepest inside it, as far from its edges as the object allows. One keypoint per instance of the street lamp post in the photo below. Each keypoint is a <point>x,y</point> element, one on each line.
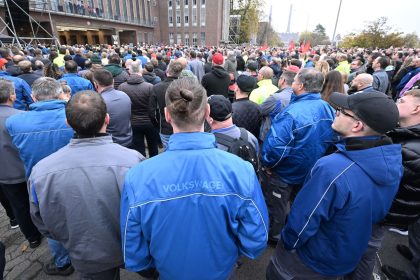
<point>336,22</point>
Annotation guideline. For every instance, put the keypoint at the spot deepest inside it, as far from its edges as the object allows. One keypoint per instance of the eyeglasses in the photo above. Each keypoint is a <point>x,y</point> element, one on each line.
<point>341,111</point>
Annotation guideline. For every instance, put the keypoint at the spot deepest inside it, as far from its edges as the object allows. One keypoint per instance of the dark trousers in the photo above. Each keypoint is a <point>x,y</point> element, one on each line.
<point>286,265</point>
<point>152,138</point>
<point>277,195</point>
<point>2,259</point>
<point>6,205</point>
<point>110,274</point>
<point>414,244</point>
<point>17,195</point>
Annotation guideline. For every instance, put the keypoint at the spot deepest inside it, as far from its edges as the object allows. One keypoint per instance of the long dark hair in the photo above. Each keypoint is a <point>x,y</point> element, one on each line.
<point>333,83</point>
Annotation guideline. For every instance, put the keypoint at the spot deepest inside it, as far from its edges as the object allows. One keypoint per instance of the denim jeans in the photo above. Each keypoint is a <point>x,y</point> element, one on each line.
<point>165,140</point>
<point>59,253</point>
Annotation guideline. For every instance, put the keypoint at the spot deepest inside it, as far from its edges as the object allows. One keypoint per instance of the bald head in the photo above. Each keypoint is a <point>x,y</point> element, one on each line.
<point>266,73</point>
<point>183,62</point>
<point>362,81</point>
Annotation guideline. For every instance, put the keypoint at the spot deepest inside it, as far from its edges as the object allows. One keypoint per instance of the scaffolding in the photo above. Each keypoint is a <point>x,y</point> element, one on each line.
<point>22,40</point>
<point>234,28</point>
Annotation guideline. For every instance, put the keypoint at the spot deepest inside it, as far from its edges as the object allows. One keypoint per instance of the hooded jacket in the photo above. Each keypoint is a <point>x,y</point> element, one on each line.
<point>405,209</point>
<point>120,76</point>
<point>344,195</point>
<point>151,77</point>
<point>298,137</point>
<point>217,81</point>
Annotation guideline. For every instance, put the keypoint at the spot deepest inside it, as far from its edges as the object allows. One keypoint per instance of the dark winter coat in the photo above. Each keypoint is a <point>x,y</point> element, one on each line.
<point>139,92</point>
<point>405,208</point>
<point>120,76</point>
<point>216,82</point>
<point>157,105</point>
<point>247,114</point>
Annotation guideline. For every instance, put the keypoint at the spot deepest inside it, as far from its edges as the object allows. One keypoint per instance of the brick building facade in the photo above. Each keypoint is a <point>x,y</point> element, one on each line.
<point>183,22</point>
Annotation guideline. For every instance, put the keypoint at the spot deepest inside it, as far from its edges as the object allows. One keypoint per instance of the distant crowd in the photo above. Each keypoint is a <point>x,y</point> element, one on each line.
<point>174,162</point>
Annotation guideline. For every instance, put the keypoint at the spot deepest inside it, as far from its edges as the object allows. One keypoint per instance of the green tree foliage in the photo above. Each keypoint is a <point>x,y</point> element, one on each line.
<point>379,35</point>
<point>316,37</point>
<point>249,10</point>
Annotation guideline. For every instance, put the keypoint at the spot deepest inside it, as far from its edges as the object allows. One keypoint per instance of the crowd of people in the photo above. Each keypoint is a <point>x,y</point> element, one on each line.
<point>173,162</point>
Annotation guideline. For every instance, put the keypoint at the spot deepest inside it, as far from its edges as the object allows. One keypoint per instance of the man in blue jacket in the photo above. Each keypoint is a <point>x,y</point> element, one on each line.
<point>74,81</point>
<point>334,216</point>
<point>298,137</point>
<point>191,211</point>
<point>23,90</point>
<point>37,134</point>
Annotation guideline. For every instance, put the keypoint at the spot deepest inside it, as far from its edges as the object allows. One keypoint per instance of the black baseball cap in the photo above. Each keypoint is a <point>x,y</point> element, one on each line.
<point>374,108</point>
<point>220,107</point>
<point>246,83</point>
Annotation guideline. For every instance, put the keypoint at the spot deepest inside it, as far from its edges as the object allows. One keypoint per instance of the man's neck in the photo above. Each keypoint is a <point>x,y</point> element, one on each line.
<point>409,122</point>
<point>241,96</point>
<point>8,103</point>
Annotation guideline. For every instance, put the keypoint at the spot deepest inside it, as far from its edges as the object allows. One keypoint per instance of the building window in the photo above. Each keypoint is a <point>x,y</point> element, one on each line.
<point>194,39</point>
<point>187,39</point>
<point>194,16</point>
<point>169,3</point>
<point>178,18</point>
<point>186,17</point>
<point>203,38</point>
<point>185,2</point>
<point>178,2</point>
<point>203,16</point>
<point>178,39</point>
<point>194,2</point>
<point>170,20</point>
<point>171,38</point>
<point>203,2</point>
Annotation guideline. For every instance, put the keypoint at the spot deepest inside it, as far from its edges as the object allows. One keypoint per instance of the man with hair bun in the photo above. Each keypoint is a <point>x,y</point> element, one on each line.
<point>89,180</point>
<point>193,200</point>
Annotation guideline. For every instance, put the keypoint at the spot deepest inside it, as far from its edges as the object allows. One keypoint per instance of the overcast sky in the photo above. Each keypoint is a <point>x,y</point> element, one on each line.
<point>403,15</point>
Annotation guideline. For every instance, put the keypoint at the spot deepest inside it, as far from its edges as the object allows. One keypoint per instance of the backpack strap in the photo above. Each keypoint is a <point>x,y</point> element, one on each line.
<point>224,140</point>
<point>244,134</point>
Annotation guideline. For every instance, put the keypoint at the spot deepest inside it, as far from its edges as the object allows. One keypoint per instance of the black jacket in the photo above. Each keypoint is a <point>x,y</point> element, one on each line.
<point>139,92</point>
<point>216,82</point>
<point>157,105</point>
<point>405,208</point>
<point>247,114</point>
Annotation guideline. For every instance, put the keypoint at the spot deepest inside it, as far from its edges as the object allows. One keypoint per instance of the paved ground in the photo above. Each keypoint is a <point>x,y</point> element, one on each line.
<point>23,263</point>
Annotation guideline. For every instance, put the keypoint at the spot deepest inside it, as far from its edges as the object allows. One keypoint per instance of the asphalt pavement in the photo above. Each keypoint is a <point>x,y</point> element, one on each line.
<point>23,263</point>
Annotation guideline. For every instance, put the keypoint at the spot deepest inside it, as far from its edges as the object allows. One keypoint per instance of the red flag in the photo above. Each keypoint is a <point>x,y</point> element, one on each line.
<point>291,45</point>
<point>264,47</point>
<point>307,46</point>
<point>301,47</point>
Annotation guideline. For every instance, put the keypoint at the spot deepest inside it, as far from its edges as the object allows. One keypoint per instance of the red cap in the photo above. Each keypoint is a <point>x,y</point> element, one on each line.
<point>218,59</point>
<point>293,68</point>
<point>3,62</point>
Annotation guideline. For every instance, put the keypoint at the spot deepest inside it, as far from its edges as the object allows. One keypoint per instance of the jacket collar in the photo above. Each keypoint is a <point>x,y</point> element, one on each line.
<point>307,96</point>
<point>70,75</point>
<point>191,141</point>
<point>47,105</point>
<point>106,139</point>
<point>265,82</point>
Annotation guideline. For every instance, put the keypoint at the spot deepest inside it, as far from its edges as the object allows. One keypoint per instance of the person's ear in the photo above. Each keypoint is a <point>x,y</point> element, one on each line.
<point>107,119</point>
<point>207,114</point>
<point>358,126</point>
<point>167,115</point>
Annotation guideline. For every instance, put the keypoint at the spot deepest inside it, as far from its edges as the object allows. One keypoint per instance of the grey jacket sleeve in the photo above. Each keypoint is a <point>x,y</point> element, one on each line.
<point>268,105</point>
<point>34,209</point>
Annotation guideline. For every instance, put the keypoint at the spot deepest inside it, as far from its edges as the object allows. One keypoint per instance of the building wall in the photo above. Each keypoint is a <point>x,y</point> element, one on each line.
<point>183,33</point>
